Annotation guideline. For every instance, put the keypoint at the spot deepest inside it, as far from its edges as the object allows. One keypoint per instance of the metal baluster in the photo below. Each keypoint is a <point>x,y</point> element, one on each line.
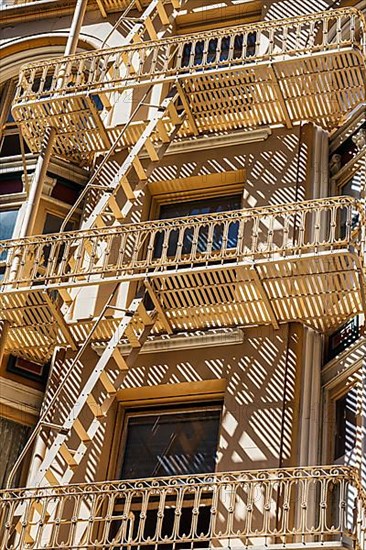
<point>245,45</point>
<point>79,256</point>
<point>106,254</point>
<point>284,39</point>
<point>92,77</point>
<point>286,233</point>
<point>225,238</point>
<point>193,254</point>
<point>333,225</point>
<point>301,233</point>
<point>180,242</point>
<point>270,42</point>
<point>325,32</point>
<point>164,250</point>
<point>160,516</point>
<point>255,235</point>
<point>80,73</point>
<point>93,256</point>
<point>210,238</point>
<point>339,32</point>
<point>231,49</point>
<point>43,79</point>
<point>150,248</point>
<point>270,233</point>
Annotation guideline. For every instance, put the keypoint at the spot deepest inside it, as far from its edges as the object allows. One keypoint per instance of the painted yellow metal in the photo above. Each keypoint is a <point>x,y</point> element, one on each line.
<point>288,507</point>
<point>310,67</point>
<point>268,265</point>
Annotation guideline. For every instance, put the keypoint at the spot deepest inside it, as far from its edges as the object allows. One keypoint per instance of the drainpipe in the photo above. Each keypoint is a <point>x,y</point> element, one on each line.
<point>36,192</point>
<point>49,140</point>
<point>36,186</point>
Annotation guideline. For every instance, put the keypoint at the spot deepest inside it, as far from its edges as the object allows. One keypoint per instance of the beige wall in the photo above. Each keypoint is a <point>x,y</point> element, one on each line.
<point>260,379</point>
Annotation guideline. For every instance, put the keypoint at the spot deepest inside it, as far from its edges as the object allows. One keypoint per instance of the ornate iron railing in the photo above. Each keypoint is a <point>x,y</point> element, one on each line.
<point>312,505</point>
<point>136,250</point>
<point>168,59</point>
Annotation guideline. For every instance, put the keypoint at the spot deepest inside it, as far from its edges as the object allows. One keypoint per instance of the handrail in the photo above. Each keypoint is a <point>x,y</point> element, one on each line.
<point>129,250</point>
<point>115,68</point>
<point>303,505</point>
<point>203,35</point>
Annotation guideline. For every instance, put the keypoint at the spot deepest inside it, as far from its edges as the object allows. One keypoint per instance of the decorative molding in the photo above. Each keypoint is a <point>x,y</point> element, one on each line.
<point>345,364</point>
<point>20,397</point>
<point>185,341</point>
<point>215,142</point>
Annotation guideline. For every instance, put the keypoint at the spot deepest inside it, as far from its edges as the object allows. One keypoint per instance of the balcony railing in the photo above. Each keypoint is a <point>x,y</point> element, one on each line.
<point>303,506</point>
<point>277,72</point>
<point>112,69</point>
<point>129,251</point>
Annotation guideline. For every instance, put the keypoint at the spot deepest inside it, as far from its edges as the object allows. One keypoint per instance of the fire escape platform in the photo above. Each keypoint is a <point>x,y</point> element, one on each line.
<point>242,268</point>
<point>307,68</point>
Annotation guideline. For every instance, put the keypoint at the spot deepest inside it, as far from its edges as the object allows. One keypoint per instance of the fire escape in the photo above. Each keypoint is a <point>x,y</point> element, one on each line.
<point>263,266</point>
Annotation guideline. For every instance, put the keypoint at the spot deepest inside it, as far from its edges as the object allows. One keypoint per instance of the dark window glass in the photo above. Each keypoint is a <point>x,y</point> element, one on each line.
<point>10,146</point>
<point>172,443</point>
<point>11,184</point>
<point>53,224</point>
<point>65,190</point>
<point>195,208</point>
<point>13,437</point>
<point>7,223</point>
<point>342,338</point>
<point>346,423</point>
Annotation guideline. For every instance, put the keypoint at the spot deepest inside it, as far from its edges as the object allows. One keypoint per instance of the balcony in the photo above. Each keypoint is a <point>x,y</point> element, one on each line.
<point>285,508</point>
<point>259,266</point>
<point>307,68</point>
<point>108,6</point>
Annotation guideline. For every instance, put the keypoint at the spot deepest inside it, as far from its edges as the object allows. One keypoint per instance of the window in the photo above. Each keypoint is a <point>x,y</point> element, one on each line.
<point>167,442</point>
<point>216,52</point>
<point>7,223</point>
<point>13,437</point>
<point>342,338</point>
<point>346,424</point>
<point>196,208</point>
<point>53,223</point>
<point>170,442</point>
<point>8,219</point>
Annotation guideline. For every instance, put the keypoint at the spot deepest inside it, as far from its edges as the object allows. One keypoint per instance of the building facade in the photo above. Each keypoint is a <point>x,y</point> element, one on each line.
<point>182,261</point>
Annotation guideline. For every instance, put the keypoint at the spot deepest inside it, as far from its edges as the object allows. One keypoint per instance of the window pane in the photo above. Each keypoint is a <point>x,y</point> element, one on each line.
<point>346,423</point>
<point>195,208</point>
<point>7,223</point>
<point>13,437</point>
<point>171,444</point>
<point>53,223</point>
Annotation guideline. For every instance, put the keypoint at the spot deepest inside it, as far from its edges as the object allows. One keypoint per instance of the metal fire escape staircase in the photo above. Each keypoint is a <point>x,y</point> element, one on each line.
<point>116,186</point>
<point>69,439</point>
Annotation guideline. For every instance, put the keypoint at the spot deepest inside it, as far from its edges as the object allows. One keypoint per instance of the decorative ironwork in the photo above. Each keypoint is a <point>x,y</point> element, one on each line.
<point>127,251</point>
<point>276,72</point>
<point>310,505</point>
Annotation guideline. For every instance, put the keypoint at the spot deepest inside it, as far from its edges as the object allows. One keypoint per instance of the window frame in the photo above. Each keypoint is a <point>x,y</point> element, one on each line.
<point>178,394</point>
<point>161,411</point>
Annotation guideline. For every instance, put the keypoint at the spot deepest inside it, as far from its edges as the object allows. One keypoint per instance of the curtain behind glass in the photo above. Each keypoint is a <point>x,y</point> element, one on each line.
<point>13,437</point>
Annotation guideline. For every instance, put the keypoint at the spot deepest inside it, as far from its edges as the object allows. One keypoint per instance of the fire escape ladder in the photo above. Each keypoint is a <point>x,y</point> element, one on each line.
<point>81,409</point>
<point>130,178</point>
<point>155,18</point>
<point>94,399</point>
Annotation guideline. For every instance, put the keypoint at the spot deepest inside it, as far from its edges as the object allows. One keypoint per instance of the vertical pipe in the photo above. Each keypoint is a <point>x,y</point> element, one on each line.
<point>77,20</point>
<point>35,191</point>
<point>49,140</point>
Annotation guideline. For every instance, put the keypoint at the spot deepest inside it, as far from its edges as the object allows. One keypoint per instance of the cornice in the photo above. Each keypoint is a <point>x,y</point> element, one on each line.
<point>19,397</point>
<point>345,364</point>
<point>185,341</point>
